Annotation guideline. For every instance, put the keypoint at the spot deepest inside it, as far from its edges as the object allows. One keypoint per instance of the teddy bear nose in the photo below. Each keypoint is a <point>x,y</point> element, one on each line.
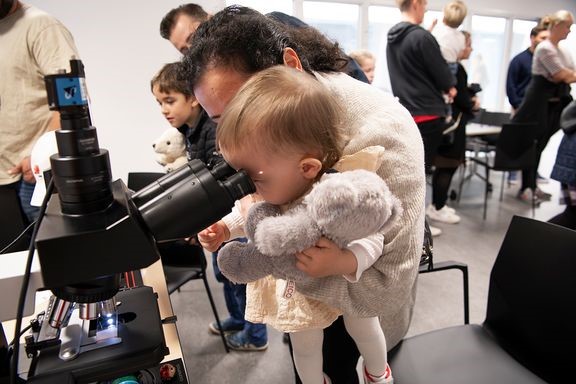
<point>153,145</point>
<point>168,142</point>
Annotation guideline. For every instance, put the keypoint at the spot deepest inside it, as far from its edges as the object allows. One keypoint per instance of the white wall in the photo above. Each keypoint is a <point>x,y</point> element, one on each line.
<point>121,48</point>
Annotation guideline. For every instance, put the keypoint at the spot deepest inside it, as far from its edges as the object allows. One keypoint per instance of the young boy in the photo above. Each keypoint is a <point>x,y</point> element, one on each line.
<point>450,39</point>
<point>283,127</point>
<point>182,110</point>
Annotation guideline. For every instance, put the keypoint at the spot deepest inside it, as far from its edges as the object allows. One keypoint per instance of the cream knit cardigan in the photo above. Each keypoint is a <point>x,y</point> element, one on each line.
<point>388,288</point>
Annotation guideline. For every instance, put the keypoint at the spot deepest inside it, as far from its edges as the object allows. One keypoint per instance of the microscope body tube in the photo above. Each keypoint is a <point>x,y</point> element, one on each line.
<point>181,204</point>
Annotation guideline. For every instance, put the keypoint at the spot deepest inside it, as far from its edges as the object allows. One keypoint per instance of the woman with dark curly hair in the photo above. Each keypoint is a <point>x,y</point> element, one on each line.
<point>239,42</point>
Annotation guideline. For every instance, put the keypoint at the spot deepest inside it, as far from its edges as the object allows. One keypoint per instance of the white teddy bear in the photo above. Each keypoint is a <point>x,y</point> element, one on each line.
<point>170,149</point>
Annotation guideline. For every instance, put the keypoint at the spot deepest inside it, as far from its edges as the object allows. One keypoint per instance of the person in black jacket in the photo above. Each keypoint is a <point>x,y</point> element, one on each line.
<point>452,150</point>
<point>420,77</point>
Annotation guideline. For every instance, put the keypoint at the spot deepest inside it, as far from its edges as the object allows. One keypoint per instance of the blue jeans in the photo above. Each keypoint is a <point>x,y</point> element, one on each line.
<point>25,191</point>
<point>235,298</point>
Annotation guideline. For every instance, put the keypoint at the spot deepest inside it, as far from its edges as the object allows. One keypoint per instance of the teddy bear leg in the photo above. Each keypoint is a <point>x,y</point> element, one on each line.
<point>241,263</point>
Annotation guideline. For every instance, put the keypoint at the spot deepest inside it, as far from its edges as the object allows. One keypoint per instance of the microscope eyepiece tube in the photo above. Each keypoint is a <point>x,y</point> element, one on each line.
<point>191,198</point>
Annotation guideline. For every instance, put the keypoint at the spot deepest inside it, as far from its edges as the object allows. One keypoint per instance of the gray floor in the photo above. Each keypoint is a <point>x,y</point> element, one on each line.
<point>439,302</point>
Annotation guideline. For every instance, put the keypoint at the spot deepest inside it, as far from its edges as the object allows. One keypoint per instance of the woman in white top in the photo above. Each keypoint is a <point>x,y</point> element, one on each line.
<point>547,94</point>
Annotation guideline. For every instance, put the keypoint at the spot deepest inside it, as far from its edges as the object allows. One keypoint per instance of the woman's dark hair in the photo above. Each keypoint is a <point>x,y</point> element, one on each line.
<point>246,40</point>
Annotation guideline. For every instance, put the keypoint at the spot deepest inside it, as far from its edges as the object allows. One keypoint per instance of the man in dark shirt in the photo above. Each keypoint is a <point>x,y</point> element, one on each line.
<point>520,68</point>
<point>519,75</point>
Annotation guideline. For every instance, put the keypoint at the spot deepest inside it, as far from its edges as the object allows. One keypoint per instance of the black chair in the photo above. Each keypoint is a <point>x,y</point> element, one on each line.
<point>181,261</point>
<point>12,221</point>
<point>494,118</point>
<point>528,335</point>
<point>515,149</point>
<point>482,145</point>
<point>428,265</point>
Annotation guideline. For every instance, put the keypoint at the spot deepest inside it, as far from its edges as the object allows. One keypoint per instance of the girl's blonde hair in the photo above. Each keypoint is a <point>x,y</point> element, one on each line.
<point>283,110</point>
<point>556,18</point>
<point>361,56</point>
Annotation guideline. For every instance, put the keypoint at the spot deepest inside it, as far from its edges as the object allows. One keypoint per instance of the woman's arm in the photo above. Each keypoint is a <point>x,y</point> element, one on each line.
<point>564,75</point>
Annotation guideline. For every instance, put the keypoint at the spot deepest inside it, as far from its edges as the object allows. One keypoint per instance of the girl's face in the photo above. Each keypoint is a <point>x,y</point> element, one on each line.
<point>280,178</point>
<point>176,107</point>
<point>368,66</point>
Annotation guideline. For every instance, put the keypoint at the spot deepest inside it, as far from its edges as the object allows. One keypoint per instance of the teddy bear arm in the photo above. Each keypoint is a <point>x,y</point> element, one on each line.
<point>176,164</point>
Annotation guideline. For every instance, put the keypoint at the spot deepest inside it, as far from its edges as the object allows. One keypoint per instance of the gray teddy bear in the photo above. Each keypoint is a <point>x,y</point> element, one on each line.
<point>343,207</point>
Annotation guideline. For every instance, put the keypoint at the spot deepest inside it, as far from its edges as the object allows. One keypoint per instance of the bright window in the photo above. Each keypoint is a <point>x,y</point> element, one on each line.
<point>336,20</point>
<point>486,62</point>
<point>430,16</point>
<point>520,36</point>
<point>265,6</point>
<point>380,20</point>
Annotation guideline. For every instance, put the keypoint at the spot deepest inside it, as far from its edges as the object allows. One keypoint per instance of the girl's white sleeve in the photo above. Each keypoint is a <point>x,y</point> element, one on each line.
<point>367,251</point>
<point>235,222</point>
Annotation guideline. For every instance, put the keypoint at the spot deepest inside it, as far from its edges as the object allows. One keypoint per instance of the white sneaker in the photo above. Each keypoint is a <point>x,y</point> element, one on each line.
<point>449,209</point>
<point>434,231</point>
<point>442,215</point>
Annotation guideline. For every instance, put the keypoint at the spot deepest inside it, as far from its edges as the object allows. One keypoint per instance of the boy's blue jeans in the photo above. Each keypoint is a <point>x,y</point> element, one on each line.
<point>235,298</point>
<point>25,191</point>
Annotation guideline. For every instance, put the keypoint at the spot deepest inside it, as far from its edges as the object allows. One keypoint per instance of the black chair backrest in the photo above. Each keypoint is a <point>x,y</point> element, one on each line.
<point>12,221</point>
<point>516,147</point>
<point>531,300</point>
<point>138,180</point>
<point>494,118</point>
<point>477,116</point>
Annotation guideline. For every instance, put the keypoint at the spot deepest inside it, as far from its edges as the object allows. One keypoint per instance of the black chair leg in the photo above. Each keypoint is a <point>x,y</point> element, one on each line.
<point>502,185</point>
<point>445,265</point>
<point>486,191</point>
<point>213,305</point>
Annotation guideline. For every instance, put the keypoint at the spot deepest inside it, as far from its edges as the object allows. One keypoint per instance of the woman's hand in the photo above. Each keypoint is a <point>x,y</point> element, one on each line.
<point>326,259</point>
<point>214,236</point>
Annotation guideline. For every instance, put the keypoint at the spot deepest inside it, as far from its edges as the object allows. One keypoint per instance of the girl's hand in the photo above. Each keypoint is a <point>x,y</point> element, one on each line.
<point>214,236</point>
<point>326,259</point>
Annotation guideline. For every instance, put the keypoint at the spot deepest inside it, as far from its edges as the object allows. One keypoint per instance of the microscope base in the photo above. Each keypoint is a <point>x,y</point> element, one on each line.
<point>142,346</point>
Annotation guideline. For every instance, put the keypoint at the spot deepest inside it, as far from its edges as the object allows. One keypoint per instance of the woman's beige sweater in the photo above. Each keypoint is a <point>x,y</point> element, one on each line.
<point>388,288</point>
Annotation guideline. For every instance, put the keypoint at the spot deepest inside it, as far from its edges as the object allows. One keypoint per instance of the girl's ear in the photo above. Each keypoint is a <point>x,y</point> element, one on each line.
<point>310,167</point>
